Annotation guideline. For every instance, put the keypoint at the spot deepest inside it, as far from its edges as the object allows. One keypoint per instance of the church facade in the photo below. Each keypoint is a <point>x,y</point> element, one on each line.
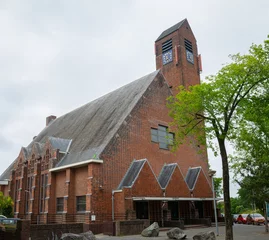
<point>111,159</point>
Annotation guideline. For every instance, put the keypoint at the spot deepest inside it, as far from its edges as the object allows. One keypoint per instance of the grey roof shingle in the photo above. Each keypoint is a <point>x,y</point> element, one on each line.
<point>92,126</point>
<point>166,174</point>
<point>132,173</point>
<point>171,30</point>
<point>192,176</point>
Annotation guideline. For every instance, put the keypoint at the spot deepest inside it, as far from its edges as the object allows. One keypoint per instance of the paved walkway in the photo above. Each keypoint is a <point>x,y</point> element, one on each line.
<point>241,232</point>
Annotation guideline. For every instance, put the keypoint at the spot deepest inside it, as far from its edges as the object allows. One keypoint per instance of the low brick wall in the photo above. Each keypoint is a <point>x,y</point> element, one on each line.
<point>46,231</point>
<point>197,221</point>
<point>131,227</point>
<point>174,223</point>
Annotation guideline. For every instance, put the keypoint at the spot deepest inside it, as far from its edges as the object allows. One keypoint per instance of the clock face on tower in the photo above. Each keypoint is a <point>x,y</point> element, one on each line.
<point>167,57</point>
<point>189,56</point>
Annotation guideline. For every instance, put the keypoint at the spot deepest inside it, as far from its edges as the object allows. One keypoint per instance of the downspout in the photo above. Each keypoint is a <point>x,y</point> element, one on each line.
<point>162,216</point>
<point>113,217</point>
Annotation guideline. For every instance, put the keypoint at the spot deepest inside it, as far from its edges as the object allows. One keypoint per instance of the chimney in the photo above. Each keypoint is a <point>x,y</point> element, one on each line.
<point>50,119</point>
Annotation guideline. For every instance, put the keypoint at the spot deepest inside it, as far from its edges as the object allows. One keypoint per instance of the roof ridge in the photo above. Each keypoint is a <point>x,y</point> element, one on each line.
<point>171,29</point>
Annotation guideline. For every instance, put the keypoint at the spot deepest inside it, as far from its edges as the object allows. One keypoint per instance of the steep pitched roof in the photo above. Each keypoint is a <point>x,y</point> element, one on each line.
<point>93,125</point>
<point>132,173</point>
<point>165,174</point>
<point>192,176</point>
<point>171,30</point>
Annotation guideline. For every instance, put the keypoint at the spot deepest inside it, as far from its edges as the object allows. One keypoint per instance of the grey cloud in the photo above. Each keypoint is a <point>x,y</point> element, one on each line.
<point>57,55</point>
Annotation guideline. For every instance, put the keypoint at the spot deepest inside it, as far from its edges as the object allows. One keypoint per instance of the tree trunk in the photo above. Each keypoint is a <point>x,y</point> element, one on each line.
<point>226,191</point>
<point>265,215</point>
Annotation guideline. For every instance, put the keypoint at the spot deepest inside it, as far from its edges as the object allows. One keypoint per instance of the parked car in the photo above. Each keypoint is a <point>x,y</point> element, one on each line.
<point>9,223</point>
<point>257,218</point>
<point>235,216</point>
<point>244,219</point>
<point>2,216</point>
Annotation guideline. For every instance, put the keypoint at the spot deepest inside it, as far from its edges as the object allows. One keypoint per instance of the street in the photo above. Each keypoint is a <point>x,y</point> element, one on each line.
<point>241,232</point>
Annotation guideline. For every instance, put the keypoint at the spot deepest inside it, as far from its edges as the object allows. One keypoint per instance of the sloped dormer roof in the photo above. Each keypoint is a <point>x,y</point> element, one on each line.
<point>60,143</point>
<point>192,176</point>
<point>166,174</point>
<point>171,30</point>
<point>132,173</point>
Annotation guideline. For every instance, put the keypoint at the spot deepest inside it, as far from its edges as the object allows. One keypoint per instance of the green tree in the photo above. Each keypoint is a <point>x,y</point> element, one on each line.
<point>218,186</point>
<point>6,205</point>
<point>214,109</point>
<point>251,164</point>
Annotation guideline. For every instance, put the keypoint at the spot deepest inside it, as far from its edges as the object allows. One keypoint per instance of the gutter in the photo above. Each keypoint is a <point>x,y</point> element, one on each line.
<point>172,199</point>
<point>77,164</point>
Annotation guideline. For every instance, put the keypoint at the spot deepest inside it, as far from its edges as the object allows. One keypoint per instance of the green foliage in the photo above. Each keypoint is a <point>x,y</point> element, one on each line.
<point>6,205</point>
<point>221,100</point>
<point>218,186</point>
<point>217,108</point>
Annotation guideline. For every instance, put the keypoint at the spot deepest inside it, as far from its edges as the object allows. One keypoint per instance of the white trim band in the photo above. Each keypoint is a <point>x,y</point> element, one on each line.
<point>3,182</point>
<point>77,164</point>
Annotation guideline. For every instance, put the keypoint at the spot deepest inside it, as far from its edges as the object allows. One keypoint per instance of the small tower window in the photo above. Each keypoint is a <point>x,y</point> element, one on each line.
<point>189,51</point>
<point>167,53</point>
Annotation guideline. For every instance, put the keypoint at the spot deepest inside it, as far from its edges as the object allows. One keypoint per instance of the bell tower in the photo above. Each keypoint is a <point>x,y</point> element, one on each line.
<point>177,56</point>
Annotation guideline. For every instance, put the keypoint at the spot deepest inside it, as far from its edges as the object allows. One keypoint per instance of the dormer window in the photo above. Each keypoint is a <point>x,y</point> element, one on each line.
<point>189,51</point>
<point>167,53</point>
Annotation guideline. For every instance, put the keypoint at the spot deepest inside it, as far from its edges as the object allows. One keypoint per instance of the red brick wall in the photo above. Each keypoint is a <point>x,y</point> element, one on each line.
<point>119,205</point>
<point>80,185</point>
<point>134,141</point>
<point>202,187</point>
<point>60,184</point>
<point>146,184</point>
<point>177,186</point>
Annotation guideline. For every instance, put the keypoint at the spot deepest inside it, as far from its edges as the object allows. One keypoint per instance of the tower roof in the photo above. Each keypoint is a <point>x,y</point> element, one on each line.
<point>171,30</point>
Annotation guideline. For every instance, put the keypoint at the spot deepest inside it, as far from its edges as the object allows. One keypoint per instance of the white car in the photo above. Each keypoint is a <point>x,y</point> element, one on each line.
<point>2,216</point>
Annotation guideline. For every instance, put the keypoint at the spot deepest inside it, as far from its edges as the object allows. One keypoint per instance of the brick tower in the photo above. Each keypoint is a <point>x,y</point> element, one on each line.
<point>177,56</point>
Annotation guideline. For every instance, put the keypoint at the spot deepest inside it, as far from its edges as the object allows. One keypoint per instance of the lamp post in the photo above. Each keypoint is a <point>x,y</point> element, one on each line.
<point>211,174</point>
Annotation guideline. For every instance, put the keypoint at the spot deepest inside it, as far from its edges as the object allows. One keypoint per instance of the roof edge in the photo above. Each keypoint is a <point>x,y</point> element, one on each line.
<point>77,164</point>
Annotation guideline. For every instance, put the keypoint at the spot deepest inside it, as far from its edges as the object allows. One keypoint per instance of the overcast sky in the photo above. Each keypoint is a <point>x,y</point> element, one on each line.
<point>58,55</point>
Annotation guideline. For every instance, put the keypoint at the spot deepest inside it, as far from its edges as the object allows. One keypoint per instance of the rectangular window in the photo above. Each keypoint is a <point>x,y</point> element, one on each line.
<point>189,51</point>
<point>167,46</point>
<point>43,192</point>
<point>154,135</point>
<point>162,136</point>
<point>28,193</point>
<point>16,195</point>
<point>81,203</point>
<point>167,53</point>
<point>60,204</point>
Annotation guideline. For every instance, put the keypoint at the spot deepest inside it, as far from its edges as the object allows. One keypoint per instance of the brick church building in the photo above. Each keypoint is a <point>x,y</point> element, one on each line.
<point>110,159</point>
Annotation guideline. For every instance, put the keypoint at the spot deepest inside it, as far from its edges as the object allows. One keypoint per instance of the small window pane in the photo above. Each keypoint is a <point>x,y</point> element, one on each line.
<point>162,128</point>
<point>163,145</point>
<point>154,135</point>
<point>170,138</point>
<point>60,204</point>
<point>81,203</point>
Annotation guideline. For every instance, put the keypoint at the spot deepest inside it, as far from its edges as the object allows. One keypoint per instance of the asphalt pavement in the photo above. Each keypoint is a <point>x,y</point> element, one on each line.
<point>241,232</point>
